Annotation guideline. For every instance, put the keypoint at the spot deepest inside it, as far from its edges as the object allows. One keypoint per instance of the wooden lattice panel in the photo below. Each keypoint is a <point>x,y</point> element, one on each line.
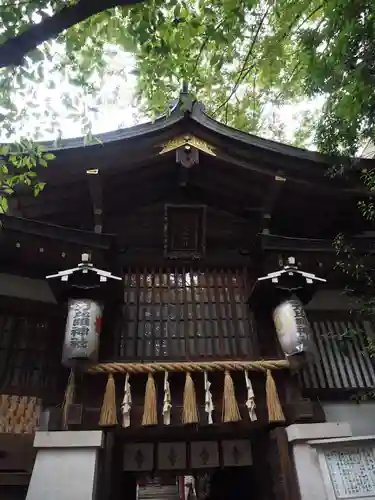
<point>185,313</point>
<point>19,414</point>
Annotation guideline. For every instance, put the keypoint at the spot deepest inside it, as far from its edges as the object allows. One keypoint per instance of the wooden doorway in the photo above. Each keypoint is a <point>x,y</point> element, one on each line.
<point>270,476</point>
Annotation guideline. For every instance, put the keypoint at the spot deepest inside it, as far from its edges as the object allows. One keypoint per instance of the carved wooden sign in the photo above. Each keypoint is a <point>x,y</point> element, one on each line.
<point>204,454</point>
<point>171,456</point>
<point>139,457</point>
<point>236,453</point>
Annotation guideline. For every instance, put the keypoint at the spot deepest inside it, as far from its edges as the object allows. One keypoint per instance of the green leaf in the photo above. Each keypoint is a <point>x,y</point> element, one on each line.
<point>38,188</point>
<point>49,156</point>
<point>3,204</point>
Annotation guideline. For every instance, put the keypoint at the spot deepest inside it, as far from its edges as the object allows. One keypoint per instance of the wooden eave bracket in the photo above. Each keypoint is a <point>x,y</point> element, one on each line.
<point>270,201</point>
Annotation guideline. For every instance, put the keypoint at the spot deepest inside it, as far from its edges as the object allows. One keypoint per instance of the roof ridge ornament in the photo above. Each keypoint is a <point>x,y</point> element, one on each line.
<point>187,149</point>
<point>186,101</point>
<point>186,141</point>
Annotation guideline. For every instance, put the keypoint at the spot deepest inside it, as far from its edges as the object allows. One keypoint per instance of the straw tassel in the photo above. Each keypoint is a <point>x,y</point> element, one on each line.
<point>150,413</point>
<point>68,399</point>
<point>231,413</point>
<point>108,414</point>
<point>275,411</point>
<point>126,403</point>
<point>190,410</point>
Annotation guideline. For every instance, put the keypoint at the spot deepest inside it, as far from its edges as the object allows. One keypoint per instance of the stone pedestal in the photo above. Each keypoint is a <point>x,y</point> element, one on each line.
<point>305,455</point>
<point>331,464</point>
<point>65,466</point>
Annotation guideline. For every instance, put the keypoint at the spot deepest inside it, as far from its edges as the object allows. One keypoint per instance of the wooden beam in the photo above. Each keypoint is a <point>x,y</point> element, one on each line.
<point>96,193</point>
<point>14,478</point>
<point>183,176</point>
<point>53,232</point>
<point>270,202</point>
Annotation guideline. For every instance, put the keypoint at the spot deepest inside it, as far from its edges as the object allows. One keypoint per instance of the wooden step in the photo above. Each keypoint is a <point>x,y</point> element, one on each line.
<point>158,492</point>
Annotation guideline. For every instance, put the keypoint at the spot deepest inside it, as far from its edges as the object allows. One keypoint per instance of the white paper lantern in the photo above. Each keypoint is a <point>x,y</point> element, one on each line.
<point>82,332</point>
<point>292,327</point>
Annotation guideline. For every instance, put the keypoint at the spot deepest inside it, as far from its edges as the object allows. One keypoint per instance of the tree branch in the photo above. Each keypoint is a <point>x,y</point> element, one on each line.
<point>204,44</point>
<point>244,71</point>
<point>14,50</point>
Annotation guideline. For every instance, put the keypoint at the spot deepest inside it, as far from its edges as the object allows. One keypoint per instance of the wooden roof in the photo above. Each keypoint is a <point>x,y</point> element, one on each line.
<point>241,178</point>
<point>141,143</point>
<point>271,187</point>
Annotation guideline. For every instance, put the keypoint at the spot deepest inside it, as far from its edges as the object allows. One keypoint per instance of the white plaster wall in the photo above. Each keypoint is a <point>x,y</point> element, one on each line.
<point>25,288</point>
<point>361,417</point>
<point>64,474</point>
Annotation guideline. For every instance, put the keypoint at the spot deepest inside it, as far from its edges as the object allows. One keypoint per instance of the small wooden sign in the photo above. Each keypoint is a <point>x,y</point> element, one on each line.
<point>138,457</point>
<point>184,231</point>
<point>236,453</point>
<point>172,456</point>
<point>204,454</point>
<point>74,414</point>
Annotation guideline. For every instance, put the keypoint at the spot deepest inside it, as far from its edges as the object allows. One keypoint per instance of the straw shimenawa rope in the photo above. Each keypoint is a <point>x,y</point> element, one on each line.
<point>230,406</point>
<point>190,410</point>
<point>260,366</point>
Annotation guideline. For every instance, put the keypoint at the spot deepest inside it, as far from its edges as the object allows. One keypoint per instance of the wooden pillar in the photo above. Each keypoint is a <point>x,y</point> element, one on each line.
<point>115,483</point>
<point>106,467</point>
<point>284,479</point>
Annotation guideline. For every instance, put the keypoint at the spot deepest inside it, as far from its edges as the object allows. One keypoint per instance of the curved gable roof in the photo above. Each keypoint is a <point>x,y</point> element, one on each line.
<point>196,113</point>
<point>140,145</point>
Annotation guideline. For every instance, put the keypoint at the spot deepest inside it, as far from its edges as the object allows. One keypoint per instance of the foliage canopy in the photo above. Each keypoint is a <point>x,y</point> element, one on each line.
<point>247,60</point>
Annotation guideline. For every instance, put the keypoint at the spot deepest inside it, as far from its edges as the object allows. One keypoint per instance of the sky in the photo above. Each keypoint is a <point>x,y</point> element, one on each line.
<point>116,108</point>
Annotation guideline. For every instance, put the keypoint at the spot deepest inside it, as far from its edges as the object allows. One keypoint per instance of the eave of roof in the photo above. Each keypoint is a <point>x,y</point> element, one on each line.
<point>197,114</point>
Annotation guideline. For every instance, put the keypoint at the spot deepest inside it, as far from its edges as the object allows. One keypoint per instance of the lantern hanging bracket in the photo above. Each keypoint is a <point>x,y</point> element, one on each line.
<point>291,269</point>
<point>84,267</point>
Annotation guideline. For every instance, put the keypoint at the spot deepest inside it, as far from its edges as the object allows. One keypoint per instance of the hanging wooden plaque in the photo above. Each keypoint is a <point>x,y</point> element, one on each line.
<point>138,457</point>
<point>204,454</point>
<point>184,231</point>
<point>172,456</point>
